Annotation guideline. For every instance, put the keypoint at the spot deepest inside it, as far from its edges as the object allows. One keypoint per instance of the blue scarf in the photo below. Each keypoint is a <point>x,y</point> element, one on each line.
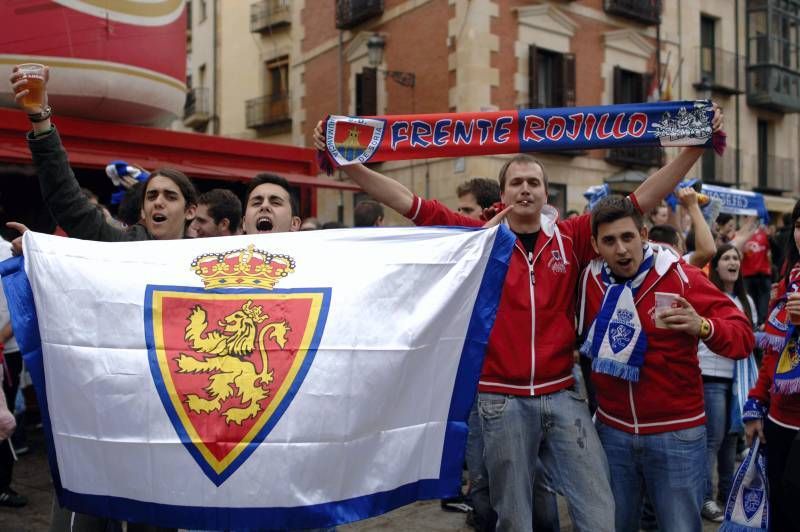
<point>616,341</point>
<point>781,336</point>
<point>748,503</point>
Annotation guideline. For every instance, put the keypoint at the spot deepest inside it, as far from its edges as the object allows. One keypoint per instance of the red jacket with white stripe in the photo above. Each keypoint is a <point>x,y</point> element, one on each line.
<point>669,393</point>
<point>783,409</point>
<point>531,344</point>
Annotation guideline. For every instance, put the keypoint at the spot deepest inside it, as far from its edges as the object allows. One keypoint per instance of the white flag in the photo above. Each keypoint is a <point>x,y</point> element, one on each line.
<point>290,380</point>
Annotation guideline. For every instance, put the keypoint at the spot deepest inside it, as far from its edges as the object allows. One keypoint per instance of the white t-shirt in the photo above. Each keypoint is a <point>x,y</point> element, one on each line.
<point>714,365</point>
<point>11,344</point>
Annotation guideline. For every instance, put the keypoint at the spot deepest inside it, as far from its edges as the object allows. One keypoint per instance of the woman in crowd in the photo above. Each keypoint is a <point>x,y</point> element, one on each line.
<point>772,412</point>
<point>719,374</point>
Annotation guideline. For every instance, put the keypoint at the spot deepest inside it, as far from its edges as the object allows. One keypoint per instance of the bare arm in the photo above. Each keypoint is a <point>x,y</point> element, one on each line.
<point>745,232</point>
<point>662,182</point>
<point>704,246</point>
<point>6,333</point>
<point>658,186</point>
<point>381,188</point>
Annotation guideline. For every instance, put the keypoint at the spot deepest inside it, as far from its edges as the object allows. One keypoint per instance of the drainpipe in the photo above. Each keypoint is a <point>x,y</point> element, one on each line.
<point>738,152</point>
<point>340,103</point>
<point>679,73</point>
<point>215,104</point>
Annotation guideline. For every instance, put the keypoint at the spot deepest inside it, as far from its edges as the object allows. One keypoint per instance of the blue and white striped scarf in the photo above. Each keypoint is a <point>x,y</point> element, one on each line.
<point>616,341</point>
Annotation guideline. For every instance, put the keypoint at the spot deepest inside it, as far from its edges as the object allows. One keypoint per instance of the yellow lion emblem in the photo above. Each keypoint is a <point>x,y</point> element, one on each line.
<point>226,350</point>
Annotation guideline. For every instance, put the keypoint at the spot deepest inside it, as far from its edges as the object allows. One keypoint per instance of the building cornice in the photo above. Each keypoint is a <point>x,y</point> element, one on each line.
<point>547,18</point>
<point>629,42</point>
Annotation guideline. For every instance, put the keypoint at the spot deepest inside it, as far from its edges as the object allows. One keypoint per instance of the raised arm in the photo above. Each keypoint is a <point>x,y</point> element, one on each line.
<point>704,246</point>
<point>381,188</point>
<point>663,181</point>
<point>60,190</point>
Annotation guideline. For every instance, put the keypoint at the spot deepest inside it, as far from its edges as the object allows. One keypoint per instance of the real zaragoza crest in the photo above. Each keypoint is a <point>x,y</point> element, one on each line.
<point>228,358</point>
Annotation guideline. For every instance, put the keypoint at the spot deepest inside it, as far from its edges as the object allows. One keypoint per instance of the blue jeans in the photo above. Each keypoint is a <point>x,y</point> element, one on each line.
<point>545,504</point>
<point>671,465</point>
<point>556,428</point>
<point>720,443</point>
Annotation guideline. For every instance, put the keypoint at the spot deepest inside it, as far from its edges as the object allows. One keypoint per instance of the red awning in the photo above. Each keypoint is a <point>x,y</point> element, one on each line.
<point>93,144</point>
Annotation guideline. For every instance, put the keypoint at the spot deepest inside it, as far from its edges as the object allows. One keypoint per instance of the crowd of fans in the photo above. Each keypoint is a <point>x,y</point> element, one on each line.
<point>657,304</point>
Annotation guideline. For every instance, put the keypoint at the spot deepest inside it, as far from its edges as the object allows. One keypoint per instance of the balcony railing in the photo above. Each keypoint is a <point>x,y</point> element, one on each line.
<point>270,14</point>
<point>773,87</point>
<point>719,170</point>
<point>719,68</point>
<point>271,110</point>
<point>779,175</point>
<point>350,13</point>
<point>645,11</point>
<point>196,110</point>
<point>636,156</point>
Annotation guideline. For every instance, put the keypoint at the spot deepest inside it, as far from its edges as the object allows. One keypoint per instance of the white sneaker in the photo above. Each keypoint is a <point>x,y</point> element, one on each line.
<point>712,512</point>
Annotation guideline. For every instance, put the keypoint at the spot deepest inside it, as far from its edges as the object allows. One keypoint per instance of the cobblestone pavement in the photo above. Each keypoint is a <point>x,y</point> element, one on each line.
<point>32,478</point>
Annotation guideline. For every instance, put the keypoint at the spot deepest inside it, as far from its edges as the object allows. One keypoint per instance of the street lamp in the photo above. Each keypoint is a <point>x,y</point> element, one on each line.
<point>375,45</point>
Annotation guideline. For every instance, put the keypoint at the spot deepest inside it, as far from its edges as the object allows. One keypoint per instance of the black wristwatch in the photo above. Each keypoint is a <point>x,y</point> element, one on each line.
<point>41,116</point>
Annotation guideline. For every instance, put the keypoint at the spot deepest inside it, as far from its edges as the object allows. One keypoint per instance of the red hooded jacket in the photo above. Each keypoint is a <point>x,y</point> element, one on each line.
<point>530,350</point>
<point>669,393</point>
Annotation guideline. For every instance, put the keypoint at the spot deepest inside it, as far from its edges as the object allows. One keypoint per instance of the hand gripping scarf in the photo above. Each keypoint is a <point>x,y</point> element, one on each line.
<point>781,336</point>
<point>351,140</point>
<point>616,341</point>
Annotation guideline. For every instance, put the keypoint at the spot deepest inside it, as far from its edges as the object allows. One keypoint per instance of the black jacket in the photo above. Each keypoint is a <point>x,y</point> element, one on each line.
<point>61,192</point>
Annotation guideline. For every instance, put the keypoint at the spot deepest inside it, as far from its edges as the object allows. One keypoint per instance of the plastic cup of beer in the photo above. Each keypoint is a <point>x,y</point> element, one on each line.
<point>34,74</point>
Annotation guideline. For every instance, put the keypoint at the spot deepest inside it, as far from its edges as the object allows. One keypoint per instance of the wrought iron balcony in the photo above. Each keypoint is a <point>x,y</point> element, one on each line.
<point>270,14</point>
<point>196,110</point>
<point>645,11</point>
<point>773,87</point>
<point>719,170</point>
<point>719,68</point>
<point>351,13</point>
<point>636,156</point>
<point>777,175</point>
<point>270,111</point>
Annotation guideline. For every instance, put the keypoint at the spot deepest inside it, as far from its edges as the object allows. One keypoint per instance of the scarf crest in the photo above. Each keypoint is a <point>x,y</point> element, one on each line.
<point>781,336</point>
<point>616,341</point>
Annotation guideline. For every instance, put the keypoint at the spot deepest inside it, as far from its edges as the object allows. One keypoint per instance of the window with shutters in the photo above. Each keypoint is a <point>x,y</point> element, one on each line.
<point>551,78</point>
<point>367,92</point>
<point>271,112</point>
<point>629,86</point>
<point>632,87</point>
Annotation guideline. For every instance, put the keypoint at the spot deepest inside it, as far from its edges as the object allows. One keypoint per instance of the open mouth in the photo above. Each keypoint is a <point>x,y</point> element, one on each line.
<point>624,263</point>
<point>524,203</point>
<point>158,218</point>
<point>264,224</point>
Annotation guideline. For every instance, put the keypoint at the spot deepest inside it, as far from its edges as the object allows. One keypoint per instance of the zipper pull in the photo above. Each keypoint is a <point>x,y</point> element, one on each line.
<point>530,265</point>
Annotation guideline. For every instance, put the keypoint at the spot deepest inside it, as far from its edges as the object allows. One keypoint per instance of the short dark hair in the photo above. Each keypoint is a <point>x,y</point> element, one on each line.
<point>222,203</point>
<point>613,208</point>
<point>333,225</point>
<point>184,184</point>
<point>367,213</point>
<point>522,158</point>
<point>266,178</point>
<point>724,218</point>
<point>486,191</point>
<point>666,234</point>
<point>91,196</point>
<point>130,206</point>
